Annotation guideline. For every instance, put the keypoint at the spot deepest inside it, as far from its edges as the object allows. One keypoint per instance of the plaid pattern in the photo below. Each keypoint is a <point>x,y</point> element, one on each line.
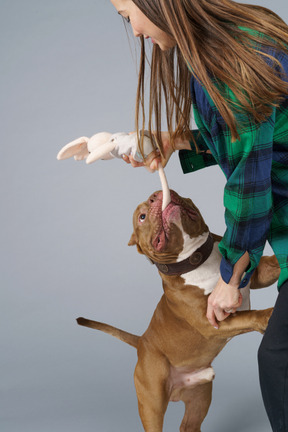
<point>256,169</point>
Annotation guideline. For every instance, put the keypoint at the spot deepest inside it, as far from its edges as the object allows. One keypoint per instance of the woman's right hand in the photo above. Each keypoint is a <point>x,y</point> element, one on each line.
<point>153,160</point>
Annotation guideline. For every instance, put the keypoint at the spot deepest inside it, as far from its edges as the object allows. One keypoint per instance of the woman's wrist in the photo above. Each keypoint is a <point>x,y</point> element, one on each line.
<point>239,269</point>
<point>182,144</point>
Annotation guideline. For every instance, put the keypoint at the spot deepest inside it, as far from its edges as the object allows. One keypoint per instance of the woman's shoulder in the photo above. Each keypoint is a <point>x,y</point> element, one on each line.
<point>264,43</point>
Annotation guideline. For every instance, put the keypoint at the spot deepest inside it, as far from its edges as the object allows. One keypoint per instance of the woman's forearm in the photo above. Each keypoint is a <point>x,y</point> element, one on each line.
<point>238,270</point>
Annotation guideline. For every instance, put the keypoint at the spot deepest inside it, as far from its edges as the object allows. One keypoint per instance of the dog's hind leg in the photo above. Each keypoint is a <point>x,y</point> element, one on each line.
<point>151,377</point>
<point>197,402</point>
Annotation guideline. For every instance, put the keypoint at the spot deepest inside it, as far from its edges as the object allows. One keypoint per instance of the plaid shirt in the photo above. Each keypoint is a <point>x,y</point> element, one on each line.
<point>256,169</point>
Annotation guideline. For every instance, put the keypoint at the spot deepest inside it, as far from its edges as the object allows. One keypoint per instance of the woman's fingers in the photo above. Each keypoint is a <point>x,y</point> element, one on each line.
<point>131,161</point>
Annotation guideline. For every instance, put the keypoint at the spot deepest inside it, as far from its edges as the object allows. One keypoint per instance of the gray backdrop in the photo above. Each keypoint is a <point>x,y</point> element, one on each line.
<point>67,70</point>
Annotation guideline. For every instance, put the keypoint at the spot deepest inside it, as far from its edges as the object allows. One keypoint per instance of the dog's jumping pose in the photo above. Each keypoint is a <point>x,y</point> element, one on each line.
<point>176,351</point>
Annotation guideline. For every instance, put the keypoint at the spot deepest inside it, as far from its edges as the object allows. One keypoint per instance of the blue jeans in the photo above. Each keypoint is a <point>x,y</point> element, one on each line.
<point>273,364</point>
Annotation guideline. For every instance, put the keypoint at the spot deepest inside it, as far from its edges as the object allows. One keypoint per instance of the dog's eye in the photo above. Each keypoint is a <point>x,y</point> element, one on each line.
<point>142,217</point>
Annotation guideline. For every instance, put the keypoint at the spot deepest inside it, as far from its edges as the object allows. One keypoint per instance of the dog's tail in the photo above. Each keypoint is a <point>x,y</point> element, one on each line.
<point>126,337</point>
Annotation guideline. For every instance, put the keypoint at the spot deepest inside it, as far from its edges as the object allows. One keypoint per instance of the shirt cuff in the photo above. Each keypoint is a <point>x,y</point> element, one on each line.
<point>226,270</point>
<point>192,161</point>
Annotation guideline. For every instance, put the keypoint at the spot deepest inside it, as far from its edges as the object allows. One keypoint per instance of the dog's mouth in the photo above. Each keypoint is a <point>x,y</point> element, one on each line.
<point>163,235</point>
<point>176,213</point>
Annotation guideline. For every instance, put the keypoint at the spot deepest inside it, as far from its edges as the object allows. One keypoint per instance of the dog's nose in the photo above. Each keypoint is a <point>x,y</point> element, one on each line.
<point>156,196</point>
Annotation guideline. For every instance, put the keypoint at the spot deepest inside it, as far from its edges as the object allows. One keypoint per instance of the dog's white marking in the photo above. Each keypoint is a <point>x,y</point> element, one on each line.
<point>182,377</point>
<point>246,304</point>
<point>207,275</point>
<point>190,244</point>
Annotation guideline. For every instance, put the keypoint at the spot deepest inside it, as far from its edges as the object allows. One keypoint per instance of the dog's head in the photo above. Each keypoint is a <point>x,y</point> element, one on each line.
<point>163,236</point>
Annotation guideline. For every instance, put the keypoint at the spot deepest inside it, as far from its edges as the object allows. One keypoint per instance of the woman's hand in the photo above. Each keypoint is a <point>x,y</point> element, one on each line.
<point>154,158</point>
<point>224,300</point>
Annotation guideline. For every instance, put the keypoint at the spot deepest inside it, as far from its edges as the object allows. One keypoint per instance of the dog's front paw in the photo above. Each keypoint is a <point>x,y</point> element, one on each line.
<point>263,317</point>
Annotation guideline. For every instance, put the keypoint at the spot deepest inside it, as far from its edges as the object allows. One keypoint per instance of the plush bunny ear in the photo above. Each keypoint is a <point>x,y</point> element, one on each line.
<point>97,141</point>
<point>77,148</point>
<point>102,152</point>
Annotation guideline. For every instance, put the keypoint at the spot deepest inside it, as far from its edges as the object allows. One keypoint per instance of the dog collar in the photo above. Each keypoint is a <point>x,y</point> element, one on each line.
<point>191,263</point>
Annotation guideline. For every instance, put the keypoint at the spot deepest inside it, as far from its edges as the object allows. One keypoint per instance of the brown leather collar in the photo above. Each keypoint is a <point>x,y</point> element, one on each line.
<point>191,263</point>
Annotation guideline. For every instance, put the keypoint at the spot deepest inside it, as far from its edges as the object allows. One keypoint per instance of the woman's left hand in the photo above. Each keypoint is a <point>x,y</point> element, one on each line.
<point>224,300</point>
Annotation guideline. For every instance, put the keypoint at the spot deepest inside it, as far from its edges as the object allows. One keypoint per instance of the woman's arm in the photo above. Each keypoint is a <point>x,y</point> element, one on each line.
<point>247,164</point>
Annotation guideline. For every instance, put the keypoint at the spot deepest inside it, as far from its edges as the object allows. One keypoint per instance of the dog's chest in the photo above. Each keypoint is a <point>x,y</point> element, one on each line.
<point>207,275</point>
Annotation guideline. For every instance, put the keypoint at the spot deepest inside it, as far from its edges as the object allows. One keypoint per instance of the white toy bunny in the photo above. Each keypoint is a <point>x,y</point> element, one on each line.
<point>105,146</point>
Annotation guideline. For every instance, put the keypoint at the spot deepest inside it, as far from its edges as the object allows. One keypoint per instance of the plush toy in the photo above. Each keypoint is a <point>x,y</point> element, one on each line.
<point>105,146</point>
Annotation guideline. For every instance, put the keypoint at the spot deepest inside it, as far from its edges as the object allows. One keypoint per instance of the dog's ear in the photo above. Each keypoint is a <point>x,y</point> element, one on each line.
<point>133,242</point>
<point>139,249</point>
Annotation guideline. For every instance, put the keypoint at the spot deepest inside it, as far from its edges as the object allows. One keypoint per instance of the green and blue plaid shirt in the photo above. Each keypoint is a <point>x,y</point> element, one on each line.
<point>256,169</point>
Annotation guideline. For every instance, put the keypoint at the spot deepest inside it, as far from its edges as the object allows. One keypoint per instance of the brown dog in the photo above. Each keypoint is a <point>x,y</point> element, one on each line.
<point>176,351</point>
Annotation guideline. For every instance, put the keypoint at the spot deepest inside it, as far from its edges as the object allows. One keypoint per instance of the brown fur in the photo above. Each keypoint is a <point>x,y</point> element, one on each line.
<point>177,349</point>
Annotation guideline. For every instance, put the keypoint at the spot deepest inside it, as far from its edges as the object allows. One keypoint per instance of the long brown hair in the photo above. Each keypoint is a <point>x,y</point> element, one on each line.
<point>211,41</point>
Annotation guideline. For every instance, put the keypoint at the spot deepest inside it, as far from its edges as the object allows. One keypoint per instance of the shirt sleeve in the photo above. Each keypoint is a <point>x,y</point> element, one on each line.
<point>247,195</point>
<point>193,160</point>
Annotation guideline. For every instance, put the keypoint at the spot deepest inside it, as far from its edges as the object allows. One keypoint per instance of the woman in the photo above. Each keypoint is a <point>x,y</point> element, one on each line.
<point>231,61</point>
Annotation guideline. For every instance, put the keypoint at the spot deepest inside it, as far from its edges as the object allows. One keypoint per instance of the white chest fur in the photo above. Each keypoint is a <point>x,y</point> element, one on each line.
<point>207,275</point>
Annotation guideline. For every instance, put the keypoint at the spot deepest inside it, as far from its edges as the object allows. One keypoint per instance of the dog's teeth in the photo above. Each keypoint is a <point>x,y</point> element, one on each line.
<point>165,188</point>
